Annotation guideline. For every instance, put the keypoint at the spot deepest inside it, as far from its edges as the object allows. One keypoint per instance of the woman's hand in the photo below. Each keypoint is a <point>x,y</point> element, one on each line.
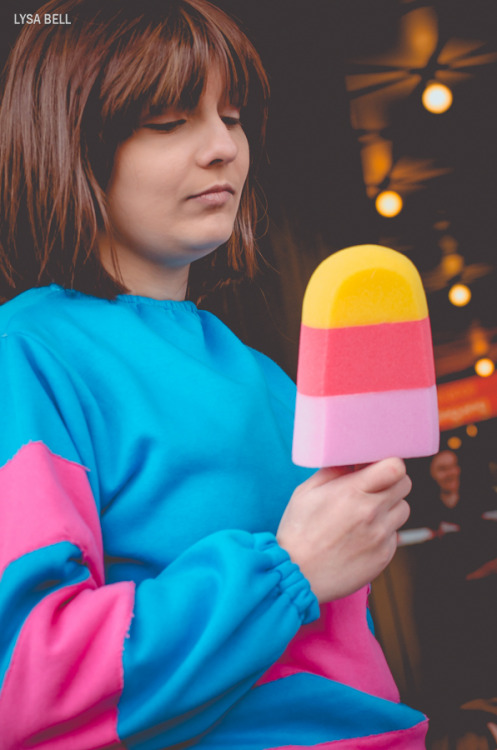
<point>340,526</point>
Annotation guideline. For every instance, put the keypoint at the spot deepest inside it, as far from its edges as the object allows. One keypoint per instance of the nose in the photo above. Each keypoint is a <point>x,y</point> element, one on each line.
<point>218,144</point>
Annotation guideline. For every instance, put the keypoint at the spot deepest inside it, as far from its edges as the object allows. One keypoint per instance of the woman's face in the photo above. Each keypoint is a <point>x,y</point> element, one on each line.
<point>446,471</point>
<point>174,192</point>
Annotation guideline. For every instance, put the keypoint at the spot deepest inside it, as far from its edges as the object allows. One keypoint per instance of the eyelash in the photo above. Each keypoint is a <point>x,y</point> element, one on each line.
<point>231,122</point>
<point>165,127</point>
<point>169,127</point>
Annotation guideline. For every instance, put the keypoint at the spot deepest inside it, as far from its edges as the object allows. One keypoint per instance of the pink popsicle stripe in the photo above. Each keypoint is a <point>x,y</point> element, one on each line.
<point>404,739</point>
<point>66,676</point>
<point>361,359</point>
<point>364,427</point>
<point>340,647</point>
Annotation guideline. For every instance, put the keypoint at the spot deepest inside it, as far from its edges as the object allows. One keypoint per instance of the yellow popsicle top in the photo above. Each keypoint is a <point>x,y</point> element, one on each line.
<point>364,285</point>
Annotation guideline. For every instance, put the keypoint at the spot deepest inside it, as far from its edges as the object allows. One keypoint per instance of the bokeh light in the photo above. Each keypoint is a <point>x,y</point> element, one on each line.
<point>484,367</point>
<point>472,430</point>
<point>454,442</point>
<point>437,98</point>
<point>388,203</point>
<point>459,295</point>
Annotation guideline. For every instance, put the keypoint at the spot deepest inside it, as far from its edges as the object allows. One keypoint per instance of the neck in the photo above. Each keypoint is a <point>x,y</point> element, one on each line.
<point>146,278</point>
<point>450,498</point>
<point>160,286</point>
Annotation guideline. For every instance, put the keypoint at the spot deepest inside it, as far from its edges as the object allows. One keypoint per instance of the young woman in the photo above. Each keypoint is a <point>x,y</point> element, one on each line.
<point>163,561</point>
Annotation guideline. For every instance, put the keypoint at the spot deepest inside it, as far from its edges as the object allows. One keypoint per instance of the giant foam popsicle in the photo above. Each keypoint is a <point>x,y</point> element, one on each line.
<point>366,378</point>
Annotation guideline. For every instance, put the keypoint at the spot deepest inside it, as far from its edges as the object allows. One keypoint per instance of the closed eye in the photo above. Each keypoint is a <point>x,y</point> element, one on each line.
<point>231,122</point>
<point>165,127</point>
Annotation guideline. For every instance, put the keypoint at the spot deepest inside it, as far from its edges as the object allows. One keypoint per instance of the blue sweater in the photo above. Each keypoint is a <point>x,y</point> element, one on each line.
<point>144,600</point>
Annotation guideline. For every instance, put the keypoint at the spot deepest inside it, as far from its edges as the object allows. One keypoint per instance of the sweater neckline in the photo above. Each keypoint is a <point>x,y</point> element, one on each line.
<point>135,299</point>
<point>165,304</point>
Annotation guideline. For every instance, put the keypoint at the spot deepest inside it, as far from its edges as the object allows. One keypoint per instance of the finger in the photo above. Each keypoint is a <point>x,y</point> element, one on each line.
<point>390,550</point>
<point>388,500</point>
<point>400,514</point>
<point>323,476</point>
<point>381,475</point>
<point>401,489</point>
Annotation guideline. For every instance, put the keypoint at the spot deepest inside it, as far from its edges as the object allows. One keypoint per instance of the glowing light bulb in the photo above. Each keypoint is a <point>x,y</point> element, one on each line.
<point>472,430</point>
<point>484,367</point>
<point>459,295</point>
<point>437,98</point>
<point>388,203</point>
<point>454,442</point>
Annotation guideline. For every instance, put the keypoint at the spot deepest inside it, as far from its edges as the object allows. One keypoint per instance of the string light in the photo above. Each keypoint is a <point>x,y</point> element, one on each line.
<point>472,430</point>
<point>388,203</point>
<point>454,442</point>
<point>437,98</point>
<point>484,367</point>
<point>459,295</point>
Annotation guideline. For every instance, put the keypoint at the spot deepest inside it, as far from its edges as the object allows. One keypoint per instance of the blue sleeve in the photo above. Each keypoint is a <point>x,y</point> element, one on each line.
<point>88,664</point>
<point>214,621</point>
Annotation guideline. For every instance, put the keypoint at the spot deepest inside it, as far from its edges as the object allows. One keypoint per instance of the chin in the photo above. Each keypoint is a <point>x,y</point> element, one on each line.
<point>217,230</point>
<point>211,245</point>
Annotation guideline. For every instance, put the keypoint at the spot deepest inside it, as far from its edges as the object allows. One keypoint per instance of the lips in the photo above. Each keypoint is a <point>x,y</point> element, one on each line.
<point>214,190</point>
<point>216,196</point>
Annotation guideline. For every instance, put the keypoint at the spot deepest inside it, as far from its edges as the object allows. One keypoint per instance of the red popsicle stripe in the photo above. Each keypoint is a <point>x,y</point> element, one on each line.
<point>363,359</point>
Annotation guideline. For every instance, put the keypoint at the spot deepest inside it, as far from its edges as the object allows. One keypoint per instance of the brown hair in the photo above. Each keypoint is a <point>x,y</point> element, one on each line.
<point>73,93</point>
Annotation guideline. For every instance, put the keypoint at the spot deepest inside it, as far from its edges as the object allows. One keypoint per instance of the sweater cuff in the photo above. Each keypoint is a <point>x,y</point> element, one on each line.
<point>292,582</point>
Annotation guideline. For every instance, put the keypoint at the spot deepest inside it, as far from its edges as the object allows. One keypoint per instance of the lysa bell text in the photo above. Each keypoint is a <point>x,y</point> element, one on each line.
<point>42,18</point>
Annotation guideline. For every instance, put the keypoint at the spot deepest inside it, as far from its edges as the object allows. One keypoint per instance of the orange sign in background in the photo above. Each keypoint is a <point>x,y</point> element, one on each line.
<point>465,401</point>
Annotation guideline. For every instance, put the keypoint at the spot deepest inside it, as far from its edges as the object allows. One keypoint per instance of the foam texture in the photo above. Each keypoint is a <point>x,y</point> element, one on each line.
<point>364,285</point>
<point>366,376</point>
<point>378,358</point>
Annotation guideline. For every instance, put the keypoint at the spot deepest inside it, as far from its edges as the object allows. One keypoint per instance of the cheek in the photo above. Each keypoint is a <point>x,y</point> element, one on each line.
<point>124,182</point>
<point>244,156</point>
<point>135,190</point>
